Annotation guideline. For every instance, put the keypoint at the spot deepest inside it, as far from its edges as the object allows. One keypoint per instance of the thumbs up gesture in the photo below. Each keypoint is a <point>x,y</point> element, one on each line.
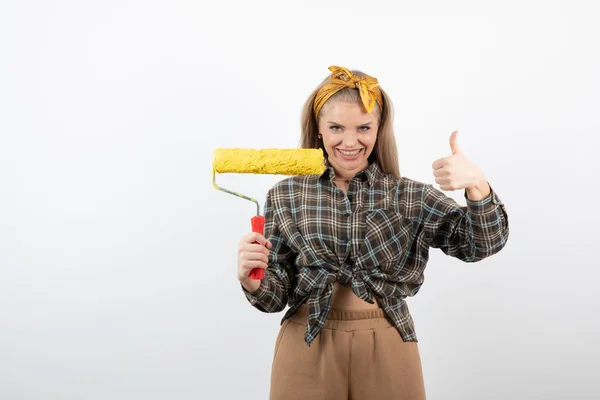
<point>457,172</point>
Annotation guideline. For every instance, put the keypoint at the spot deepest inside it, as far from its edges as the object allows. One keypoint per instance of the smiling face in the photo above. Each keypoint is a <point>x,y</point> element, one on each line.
<point>349,136</point>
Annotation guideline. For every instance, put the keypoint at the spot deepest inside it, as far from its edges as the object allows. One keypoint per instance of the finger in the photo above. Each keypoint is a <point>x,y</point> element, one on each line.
<point>442,181</point>
<point>449,187</point>
<point>446,187</point>
<point>253,248</point>
<point>440,163</point>
<point>257,248</point>
<point>251,264</point>
<point>454,143</point>
<point>254,256</point>
<point>255,237</point>
<point>440,172</point>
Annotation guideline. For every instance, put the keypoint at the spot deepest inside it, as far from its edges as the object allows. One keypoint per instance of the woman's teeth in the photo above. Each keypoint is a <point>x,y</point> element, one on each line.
<point>349,153</point>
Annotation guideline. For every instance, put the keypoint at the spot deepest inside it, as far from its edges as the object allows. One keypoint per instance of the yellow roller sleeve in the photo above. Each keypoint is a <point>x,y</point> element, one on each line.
<point>269,161</point>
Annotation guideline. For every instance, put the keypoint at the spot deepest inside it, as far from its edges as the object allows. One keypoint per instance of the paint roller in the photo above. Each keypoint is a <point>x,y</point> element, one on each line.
<point>265,161</point>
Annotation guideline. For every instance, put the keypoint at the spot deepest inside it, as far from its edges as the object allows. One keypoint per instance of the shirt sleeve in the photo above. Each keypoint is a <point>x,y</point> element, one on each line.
<point>469,233</point>
<point>272,294</point>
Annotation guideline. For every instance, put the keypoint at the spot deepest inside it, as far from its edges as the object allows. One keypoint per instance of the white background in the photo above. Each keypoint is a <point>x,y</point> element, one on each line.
<point>118,258</point>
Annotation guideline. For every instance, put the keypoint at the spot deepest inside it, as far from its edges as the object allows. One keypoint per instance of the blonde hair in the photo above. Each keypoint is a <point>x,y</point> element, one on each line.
<point>385,152</point>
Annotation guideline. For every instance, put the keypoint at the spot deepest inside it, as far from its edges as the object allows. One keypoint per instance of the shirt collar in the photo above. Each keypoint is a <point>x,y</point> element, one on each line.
<point>372,172</point>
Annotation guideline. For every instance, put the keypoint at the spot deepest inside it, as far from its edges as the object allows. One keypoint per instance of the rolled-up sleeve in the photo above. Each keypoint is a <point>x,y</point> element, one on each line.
<point>469,233</point>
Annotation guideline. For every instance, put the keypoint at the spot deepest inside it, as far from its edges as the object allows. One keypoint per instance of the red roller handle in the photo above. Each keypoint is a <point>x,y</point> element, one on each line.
<point>258,226</point>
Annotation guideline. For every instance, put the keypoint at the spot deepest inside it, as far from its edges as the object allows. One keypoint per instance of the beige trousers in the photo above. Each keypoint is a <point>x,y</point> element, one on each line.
<point>358,355</point>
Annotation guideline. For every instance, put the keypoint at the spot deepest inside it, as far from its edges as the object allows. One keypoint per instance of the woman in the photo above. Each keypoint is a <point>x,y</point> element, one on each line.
<point>345,248</point>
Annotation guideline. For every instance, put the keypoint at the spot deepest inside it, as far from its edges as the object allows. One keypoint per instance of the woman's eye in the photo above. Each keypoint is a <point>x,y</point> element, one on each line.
<point>364,128</point>
<point>335,128</point>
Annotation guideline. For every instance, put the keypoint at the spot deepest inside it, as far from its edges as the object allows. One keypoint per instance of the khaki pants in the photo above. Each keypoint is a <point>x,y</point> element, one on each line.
<point>358,355</point>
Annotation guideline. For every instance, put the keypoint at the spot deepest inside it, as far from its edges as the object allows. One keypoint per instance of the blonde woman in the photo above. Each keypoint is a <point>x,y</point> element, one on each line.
<point>343,249</point>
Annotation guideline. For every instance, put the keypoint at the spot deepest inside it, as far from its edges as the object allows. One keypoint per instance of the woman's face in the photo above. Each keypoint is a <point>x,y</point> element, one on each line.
<point>349,135</point>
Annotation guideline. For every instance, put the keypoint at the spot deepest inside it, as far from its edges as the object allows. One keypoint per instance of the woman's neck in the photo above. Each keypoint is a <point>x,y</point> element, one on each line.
<point>347,175</point>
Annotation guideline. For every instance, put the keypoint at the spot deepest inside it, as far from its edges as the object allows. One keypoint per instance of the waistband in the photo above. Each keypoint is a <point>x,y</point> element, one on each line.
<point>342,314</point>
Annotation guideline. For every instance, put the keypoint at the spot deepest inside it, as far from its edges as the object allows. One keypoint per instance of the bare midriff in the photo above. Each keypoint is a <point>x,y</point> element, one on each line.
<point>344,297</point>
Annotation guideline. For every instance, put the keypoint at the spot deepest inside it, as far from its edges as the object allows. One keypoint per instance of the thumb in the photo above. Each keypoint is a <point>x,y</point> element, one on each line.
<point>454,143</point>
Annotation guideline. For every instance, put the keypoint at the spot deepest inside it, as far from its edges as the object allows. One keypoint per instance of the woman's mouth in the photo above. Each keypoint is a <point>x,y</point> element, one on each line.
<point>349,154</point>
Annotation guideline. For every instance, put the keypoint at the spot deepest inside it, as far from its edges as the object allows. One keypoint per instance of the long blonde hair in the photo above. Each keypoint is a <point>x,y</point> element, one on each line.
<point>385,152</point>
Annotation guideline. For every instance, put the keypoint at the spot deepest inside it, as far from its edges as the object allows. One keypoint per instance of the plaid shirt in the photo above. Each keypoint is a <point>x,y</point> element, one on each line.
<point>375,239</point>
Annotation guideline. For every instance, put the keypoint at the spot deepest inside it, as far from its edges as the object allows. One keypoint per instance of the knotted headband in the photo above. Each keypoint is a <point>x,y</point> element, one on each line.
<point>342,78</point>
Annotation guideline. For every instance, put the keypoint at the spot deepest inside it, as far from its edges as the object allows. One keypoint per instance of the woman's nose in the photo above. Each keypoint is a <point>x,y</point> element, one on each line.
<point>350,139</point>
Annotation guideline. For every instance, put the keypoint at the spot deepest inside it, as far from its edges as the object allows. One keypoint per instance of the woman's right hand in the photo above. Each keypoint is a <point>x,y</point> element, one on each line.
<point>252,255</point>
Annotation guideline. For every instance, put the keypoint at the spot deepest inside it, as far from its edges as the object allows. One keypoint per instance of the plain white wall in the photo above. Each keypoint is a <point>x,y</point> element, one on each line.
<point>118,258</point>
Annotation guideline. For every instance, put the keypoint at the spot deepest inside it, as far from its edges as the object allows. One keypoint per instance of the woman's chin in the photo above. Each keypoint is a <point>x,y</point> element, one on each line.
<point>350,166</point>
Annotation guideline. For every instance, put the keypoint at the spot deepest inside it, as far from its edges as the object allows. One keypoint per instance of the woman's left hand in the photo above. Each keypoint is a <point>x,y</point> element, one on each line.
<point>457,172</point>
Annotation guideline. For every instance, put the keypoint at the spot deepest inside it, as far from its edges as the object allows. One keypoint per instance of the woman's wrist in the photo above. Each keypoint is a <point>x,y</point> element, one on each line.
<point>251,285</point>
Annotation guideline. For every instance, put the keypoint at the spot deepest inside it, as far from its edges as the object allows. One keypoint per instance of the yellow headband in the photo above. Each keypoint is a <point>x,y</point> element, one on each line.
<point>342,78</point>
